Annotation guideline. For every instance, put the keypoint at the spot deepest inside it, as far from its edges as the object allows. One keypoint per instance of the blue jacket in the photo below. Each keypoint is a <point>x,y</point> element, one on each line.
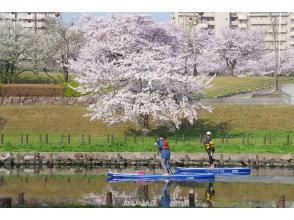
<point>164,153</point>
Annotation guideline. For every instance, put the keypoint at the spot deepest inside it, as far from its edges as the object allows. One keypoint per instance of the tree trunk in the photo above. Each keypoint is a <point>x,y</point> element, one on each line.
<point>195,73</point>
<point>64,67</point>
<point>231,70</point>
<point>65,73</point>
<point>146,121</point>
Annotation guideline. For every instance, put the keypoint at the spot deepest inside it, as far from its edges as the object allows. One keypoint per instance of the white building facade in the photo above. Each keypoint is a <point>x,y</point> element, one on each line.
<point>216,21</point>
<point>32,20</point>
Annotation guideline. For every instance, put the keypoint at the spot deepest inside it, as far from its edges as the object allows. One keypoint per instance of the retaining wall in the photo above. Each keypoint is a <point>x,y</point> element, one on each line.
<point>147,159</point>
<point>43,100</point>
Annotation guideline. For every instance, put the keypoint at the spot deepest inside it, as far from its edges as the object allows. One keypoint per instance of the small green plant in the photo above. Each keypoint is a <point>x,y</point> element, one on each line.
<point>69,92</point>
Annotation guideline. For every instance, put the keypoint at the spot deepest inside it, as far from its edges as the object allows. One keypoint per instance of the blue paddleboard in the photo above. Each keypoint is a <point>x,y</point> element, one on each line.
<point>217,170</point>
<point>160,176</point>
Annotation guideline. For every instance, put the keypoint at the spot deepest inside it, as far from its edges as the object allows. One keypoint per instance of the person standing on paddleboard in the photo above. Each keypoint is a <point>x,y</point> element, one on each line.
<point>209,148</point>
<point>164,150</point>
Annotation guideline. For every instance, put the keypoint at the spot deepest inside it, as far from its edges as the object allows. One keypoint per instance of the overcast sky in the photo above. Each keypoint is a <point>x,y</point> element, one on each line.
<point>158,16</point>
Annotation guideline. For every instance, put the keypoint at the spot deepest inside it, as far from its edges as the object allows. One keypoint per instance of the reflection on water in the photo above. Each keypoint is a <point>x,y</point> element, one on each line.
<point>165,197</point>
<point>60,186</point>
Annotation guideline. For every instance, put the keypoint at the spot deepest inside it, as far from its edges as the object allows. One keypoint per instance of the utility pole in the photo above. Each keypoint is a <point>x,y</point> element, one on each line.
<point>192,20</point>
<point>276,48</point>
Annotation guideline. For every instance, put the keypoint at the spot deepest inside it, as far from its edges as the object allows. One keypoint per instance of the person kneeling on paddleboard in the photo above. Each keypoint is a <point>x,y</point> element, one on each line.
<point>209,148</point>
<point>164,150</point>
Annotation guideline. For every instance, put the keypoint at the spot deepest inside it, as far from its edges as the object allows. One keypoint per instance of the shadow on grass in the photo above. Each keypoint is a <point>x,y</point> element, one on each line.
<point>201,126</point>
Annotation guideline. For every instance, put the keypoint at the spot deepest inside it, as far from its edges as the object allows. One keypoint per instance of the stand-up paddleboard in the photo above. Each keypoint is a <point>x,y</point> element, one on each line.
<point>114,180</point>
<point>160,176</point>
<point>217,170</point>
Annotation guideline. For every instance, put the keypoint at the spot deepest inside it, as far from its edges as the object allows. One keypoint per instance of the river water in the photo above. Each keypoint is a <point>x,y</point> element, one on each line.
<point>59,187</point>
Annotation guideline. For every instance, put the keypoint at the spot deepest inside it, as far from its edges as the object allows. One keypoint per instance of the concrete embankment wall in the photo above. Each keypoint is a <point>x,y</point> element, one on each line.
<point>146,159</point>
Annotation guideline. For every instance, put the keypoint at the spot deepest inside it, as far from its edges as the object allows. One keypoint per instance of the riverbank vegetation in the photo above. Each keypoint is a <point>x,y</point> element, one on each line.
<point>63,128</point>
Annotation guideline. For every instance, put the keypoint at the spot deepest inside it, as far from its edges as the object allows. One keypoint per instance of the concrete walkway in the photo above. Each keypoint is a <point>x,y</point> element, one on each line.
<point>287,93</point>
<point>250,99</point>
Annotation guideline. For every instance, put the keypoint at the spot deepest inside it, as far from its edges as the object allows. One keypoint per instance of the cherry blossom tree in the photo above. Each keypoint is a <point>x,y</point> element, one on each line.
<point>236,46</point>
<point>266,65</point>
<point>17,45</point>
<point>59,43</point>
<point>134,69</point>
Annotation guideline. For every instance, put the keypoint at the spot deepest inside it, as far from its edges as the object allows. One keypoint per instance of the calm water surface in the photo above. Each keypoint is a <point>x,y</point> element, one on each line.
<point>62,186</point>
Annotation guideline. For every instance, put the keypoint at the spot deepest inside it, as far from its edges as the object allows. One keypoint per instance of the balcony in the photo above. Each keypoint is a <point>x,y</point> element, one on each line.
<point>270,39</point>
<point>203,25</point>
<point>243,25</point>
<point>242,17</point>
<point>235,23</point>
<point>211,23</point>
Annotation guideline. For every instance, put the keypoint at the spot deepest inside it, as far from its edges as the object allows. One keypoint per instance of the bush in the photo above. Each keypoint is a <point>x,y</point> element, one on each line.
<point>31,90</point>
<point>69,92</point>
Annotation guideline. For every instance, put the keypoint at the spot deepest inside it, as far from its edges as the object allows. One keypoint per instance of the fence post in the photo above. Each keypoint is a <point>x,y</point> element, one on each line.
<point>282,201</point>
<point>145,192</point>
<point>68,138</point>
<point>243,140</point>
<point>126,137</point>
<point>270,139</point>
<point>61,139</point>
<point>109,198</point>
<point>46,138</point>
<point>191,199</point>
<point>112,138</point>
<point>227,139</point>
<point>2,138</point>
<point>20,198</point>
<point>21,138</point>
<point>223,139</point>
<point>264,140</point>
<point>27,139</point>
<point>40,138</point>
<point>142,138</point>
<point>135,139</point>
<point>83,139</point>
<point>176,140</point>
<point>247,138</point>
<point>89,139</point>
<point>5,202</point>
<point>108,139</point>
<point>288,139</point>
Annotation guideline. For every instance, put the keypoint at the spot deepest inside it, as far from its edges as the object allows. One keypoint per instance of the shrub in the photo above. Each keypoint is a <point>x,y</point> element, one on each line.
<point>69,92</point>
<point>31,90</point>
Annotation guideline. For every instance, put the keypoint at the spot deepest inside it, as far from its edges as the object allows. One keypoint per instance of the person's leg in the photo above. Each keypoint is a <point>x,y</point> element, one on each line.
<point>210,157</point>
<point>163,164</point>
<point>168,167</point>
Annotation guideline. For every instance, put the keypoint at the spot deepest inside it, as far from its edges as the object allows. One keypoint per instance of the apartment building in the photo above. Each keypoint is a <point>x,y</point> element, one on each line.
<point>32,20</point>
<point>216,21</point>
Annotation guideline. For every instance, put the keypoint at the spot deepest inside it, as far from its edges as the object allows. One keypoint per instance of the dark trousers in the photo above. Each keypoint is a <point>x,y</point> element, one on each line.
<point>210,152</point>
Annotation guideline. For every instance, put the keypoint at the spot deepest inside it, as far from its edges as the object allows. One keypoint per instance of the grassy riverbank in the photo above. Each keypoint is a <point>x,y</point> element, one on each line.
<point>267,129</point>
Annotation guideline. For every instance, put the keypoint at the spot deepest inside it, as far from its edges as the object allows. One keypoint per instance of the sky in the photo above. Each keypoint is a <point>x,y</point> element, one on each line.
<point>158,16</point>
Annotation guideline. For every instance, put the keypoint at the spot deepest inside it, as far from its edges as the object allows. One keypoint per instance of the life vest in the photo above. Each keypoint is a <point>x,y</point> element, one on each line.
<point>165,145</point>
<point>210,144</point>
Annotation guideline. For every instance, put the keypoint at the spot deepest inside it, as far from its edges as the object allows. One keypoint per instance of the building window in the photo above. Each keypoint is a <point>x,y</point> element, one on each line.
<point>29,21</point>
<point>29,13</point>
<point>12,13</point>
